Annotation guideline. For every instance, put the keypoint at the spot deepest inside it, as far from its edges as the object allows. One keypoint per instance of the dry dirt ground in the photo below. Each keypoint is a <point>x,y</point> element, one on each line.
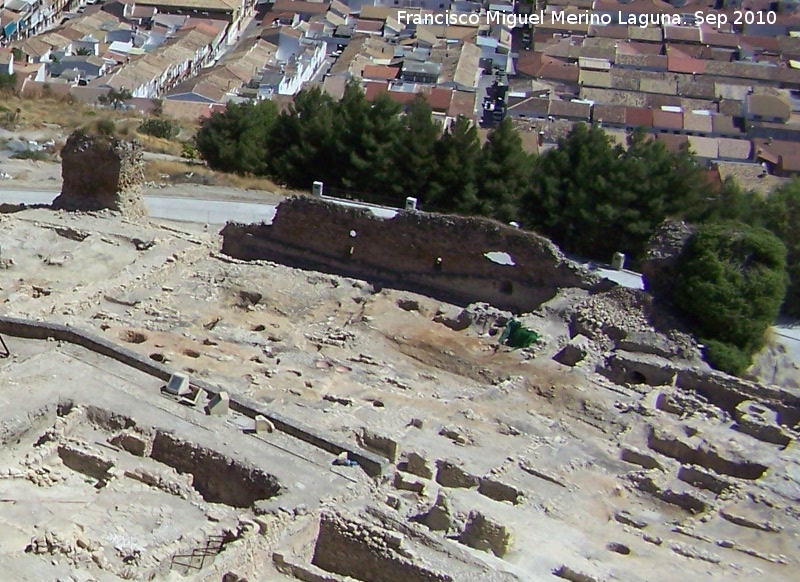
<point>503,465</point>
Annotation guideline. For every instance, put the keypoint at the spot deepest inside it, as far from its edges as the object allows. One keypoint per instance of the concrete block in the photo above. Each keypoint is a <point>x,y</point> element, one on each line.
<point>220,404</point>
<point>178,384</point>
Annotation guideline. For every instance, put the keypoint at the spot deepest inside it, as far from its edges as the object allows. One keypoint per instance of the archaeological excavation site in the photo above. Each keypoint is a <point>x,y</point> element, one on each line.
<point>334,396</point>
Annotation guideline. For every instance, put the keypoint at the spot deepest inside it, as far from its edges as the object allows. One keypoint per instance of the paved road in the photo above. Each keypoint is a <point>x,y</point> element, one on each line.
<point>190,209</point>
<point>165,207</point>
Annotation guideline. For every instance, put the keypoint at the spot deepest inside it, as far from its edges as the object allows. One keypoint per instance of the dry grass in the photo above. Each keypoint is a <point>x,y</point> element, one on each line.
<point>66,113</point>
<point>69,114</point>
<point>159,145</point>
<point>187,173</point>
<point>176,172</point>
<point>251,183</point>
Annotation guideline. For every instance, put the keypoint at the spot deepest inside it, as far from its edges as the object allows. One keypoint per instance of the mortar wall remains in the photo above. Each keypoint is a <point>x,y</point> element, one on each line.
<point>438,255</point>
<point>102,172</point>
<point>219,479</point>
<point>361,552</point>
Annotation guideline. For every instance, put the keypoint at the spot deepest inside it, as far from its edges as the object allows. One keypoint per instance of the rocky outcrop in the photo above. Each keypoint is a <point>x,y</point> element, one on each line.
<point>102,173</point>
<point>659,267</point>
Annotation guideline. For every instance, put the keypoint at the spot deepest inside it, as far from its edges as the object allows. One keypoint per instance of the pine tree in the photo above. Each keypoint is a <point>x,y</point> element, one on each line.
<point>236,140</point>
<point>453,187</point>
<point>416,163</point>
<point>381,145</point>
<point>365,141</point>
<point>301,141</point>
<point>504,173</point>
<point>782,217</point>
<point>572,190</point>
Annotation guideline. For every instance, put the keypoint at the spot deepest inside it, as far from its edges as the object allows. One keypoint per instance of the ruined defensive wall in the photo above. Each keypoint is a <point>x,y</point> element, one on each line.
<point>102,172</point>
<point>441,256</point>
<point>371,463</point>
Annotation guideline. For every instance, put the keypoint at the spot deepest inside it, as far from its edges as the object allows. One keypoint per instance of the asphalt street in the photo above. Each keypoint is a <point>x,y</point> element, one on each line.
<point>167,208</point>
<point>190,209</point>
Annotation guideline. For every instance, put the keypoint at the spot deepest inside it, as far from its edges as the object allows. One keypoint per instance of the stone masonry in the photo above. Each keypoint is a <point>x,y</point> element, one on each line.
<point>102,172</point>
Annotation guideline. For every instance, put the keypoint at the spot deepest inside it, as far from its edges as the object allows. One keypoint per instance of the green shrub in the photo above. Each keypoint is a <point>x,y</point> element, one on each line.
<point>162,128</point>
<point>731,283</point>
<point>38,156</point>
<point>8,82</point>
<point>106,126</point>
<point>235,140</point>
<point>188,150</point>
<point>114,97</point>
<point>782,217</point>
<point>726,357</point>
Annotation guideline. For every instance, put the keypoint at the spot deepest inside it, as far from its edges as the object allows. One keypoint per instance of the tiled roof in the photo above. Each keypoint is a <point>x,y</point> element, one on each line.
<point>608,114</point>
<point>462,103</point>
<point>531,107</point>
<point>300,7</point>
<point>636,116</point>
<point>673,143</point>
<point>697,122</point>
<point>667,119</point>
<point>734,149</point>
<point>570,109</point>
<point>686,65</point>
<point>704,147</point>
<point>380,72</point>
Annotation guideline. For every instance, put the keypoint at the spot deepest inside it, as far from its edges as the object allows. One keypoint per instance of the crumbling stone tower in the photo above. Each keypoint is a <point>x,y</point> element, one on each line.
<point>102,172</point>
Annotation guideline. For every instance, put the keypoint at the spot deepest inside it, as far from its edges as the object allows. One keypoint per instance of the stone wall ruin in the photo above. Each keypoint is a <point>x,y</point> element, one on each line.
<point>102,173</point>
<point>437,255</point>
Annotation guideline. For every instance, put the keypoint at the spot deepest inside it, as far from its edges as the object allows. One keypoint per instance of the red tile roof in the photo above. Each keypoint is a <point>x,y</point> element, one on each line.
<point>790,163</point>
<point>300,7</point>
<point>636,116</point>
<point>724,39</point>
<point>685,65</point>
<point>368,25</point>
<point>438,98</point>
<point>667,119</point>
<point>638,7</point>
<point>540,66</point>
<point>382,72</point>
<point>771,150</point>
<point>682,33</point>
<point>462,103</point>
<point>672,142</point>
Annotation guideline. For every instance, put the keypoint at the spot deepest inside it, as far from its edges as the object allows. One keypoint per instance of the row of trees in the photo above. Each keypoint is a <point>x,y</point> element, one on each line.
<point>372,149</point>
<point>590,196</point>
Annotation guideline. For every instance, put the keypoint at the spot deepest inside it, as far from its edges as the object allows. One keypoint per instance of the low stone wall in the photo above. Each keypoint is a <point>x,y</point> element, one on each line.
<point>219,479</point>
<point>722,390</point>
<point>363,552</point>
<point>373,464</point>
<point>437,255</point>
<point>728,392</point>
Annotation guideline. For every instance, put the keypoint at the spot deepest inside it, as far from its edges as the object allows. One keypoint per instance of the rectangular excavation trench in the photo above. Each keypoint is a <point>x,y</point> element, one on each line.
<point>103,464</point>
<point>216,477</point>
